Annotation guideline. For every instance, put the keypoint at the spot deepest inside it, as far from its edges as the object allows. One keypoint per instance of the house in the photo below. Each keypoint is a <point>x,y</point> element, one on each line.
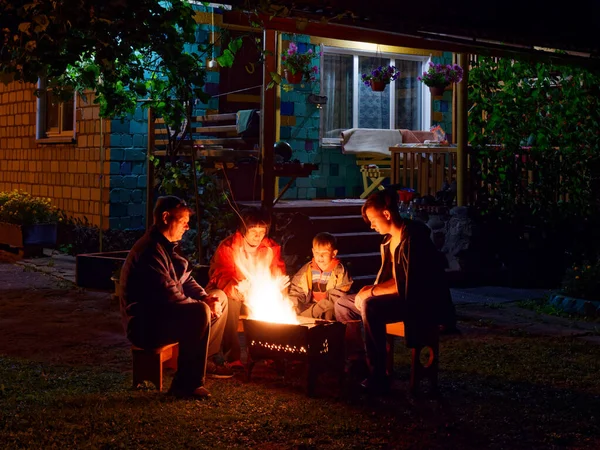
<point>96,168</point>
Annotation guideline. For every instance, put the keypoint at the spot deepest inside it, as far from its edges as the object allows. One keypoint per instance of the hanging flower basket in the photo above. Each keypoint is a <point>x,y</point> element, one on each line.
<point>377,86</point>
<point>379,77</point>
<point>438,76</point>
<point>293,78</point>
<point>437,90</point>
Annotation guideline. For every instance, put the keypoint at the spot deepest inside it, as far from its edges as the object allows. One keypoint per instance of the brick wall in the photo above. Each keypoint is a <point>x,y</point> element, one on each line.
<point>67,173</point>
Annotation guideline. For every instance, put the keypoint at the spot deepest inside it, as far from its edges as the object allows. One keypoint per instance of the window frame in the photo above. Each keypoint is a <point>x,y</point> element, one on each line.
<point>43,135</point>
<point>356,53</point>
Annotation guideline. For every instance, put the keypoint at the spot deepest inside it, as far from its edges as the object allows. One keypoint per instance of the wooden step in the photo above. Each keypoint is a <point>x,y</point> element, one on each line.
<point>361,263</point>
<point>339,223</point>
<point>362,280</point>
<point>357,242</point>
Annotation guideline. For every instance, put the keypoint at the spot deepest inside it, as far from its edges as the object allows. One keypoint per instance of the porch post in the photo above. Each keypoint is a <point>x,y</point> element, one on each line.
<point>267,119</point>
<point>462,137</point>
<point>150,170</point>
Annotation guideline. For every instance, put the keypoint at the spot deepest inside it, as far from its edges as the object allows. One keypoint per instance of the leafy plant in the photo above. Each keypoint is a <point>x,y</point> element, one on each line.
<point>215,218</point>
<point>441,75</point>
<point>583,281</point>
<point>535,164</point>
<point>383,74</point>
<point>21,208</point>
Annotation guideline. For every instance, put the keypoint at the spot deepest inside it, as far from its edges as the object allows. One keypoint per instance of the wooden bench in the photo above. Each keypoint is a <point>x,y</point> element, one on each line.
<point>418,370</point>
<point>148,364</point>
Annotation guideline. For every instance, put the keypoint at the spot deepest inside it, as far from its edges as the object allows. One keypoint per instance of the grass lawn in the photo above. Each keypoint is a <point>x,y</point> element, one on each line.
<point>499,390</point>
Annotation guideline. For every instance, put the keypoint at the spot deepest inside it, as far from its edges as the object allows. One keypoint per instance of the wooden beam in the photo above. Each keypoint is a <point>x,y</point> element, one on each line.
<point>376,33</point>
<point>267,120</point>
<point>150,170</point>
<point>462,138</point>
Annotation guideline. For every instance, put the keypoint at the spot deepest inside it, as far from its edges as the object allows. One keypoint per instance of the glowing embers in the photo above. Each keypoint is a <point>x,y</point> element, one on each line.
<point>318,343</point>
<point>279,347</point>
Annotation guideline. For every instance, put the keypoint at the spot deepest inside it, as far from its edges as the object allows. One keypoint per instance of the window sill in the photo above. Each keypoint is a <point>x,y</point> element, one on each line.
<point>56,140</point>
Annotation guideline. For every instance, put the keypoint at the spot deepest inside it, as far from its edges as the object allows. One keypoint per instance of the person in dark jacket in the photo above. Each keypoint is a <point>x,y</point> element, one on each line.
<point>163,304</point>
<point>410,286</point>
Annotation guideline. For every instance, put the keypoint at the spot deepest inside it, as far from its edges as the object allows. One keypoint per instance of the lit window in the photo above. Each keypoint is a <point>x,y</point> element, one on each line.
<point>55,118</point>
<point>405,103</point>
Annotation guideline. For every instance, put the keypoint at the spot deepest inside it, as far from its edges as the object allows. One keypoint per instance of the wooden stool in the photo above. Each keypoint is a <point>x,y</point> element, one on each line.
<point>148,363</point>
<point>418,371</point>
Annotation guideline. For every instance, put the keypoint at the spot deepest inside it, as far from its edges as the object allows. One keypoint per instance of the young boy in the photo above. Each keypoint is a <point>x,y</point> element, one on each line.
<point>318,284</point>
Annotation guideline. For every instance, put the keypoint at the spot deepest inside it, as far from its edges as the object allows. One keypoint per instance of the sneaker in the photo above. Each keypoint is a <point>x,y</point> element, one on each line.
<point>235,365</point>
<point>200,393</point>
<point>218,370</point>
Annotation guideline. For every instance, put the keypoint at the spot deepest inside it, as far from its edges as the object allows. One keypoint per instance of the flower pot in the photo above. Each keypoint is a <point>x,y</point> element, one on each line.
<point>378,86</point>
<point>293,78</point>
<point>21,235</point>
<point>437,90</point>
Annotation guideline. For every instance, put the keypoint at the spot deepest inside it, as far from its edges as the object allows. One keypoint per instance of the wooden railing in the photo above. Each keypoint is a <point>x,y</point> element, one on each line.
<point>424,169</point>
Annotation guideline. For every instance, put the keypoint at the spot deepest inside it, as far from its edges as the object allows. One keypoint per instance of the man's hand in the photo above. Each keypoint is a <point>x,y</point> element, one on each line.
<point>216,309</point>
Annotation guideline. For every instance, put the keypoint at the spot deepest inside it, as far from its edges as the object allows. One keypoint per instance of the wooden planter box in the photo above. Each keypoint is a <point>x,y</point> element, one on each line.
<point>95,270</point>
<point>28,239</point>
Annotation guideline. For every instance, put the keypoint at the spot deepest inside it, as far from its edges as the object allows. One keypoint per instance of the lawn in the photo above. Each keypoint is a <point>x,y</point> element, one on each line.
<point>499,391</point>
<point>65,382</point>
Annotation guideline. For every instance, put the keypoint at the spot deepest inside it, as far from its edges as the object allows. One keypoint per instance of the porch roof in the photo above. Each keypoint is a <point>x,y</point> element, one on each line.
<point>512,27</point>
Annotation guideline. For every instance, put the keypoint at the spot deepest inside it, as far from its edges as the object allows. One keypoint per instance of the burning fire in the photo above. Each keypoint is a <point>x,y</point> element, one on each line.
<point>264,292</point>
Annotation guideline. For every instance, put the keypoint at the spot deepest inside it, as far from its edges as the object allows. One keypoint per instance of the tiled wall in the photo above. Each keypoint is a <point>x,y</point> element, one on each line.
<point>338,175</point>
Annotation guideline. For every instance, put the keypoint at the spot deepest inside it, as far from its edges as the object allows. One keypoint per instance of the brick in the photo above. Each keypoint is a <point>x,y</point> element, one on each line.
<point>130,181</point>
<point>137,196</point>
<point>120,126</point>
<point>125,168</point>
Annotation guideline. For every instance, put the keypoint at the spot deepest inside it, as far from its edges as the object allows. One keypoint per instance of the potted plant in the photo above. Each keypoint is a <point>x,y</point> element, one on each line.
<point>380,77</point>
<point>438,76</point>
<point>26,220</point>
<point>297,66</point>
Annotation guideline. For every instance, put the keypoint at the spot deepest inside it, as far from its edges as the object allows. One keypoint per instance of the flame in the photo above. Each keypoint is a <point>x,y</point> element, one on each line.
<point>264,291</point>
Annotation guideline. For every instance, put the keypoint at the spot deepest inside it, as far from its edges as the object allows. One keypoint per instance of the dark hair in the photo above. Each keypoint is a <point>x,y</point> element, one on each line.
<point>254,217</point>
<point>386,200</point>
<point>325,239</point>
<point>168,203</point>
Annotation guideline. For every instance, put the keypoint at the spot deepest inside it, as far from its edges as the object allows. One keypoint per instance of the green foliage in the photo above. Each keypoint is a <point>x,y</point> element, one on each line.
<point>228,56</point>
<point>122,51</point>
<point>534,129</point>
<point>176,178</point>
<point>583,281</point>
<point>21,208</point>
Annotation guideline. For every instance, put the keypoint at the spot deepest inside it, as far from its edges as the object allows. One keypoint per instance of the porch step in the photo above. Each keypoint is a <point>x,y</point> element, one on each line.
<point>339,224</point>
<point>361,263</point>
<point>358,242</point>
<point>362,280</point>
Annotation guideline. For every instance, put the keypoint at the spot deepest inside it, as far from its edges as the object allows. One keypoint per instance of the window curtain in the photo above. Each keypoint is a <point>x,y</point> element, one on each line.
<point>408,95</point>
<point>374,107</point>
<point>337,86</point>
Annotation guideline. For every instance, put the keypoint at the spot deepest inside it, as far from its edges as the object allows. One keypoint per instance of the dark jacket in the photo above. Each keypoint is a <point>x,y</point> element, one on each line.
<point>422,284</point>
<point>154,277</point>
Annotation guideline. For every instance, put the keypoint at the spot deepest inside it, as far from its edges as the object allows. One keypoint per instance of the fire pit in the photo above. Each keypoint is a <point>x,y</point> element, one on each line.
<point>318,343</point>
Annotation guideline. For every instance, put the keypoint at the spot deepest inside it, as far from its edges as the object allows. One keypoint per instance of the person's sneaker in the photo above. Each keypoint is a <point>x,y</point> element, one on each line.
<point>200,393</point>
<point>235,365</point>
<point>218,370</point>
